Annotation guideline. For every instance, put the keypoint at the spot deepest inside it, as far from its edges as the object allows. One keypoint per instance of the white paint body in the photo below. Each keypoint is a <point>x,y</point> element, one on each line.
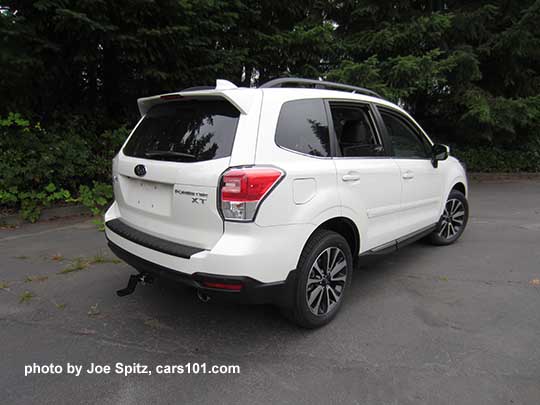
<point>385,198</point>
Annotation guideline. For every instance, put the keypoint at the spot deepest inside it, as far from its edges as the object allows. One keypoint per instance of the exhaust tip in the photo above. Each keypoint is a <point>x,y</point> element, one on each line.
<point>203,297</point>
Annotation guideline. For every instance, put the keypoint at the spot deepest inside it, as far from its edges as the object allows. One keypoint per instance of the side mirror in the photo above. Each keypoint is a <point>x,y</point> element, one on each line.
<point>439,152</point>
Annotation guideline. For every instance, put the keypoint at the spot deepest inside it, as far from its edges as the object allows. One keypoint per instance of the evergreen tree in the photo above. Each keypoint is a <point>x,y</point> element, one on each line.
<point>473,63</point>
<point>467,69</point>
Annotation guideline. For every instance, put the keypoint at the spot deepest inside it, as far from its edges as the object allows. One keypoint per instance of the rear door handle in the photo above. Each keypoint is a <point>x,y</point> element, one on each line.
<point>408,175</point>
<point>351,177</point>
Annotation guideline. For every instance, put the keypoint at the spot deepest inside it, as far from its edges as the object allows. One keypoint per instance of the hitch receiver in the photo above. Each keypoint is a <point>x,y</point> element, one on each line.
<point>132,283</point>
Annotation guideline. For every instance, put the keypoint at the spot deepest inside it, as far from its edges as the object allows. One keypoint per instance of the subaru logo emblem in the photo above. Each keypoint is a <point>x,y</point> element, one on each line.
<point>140,170</point>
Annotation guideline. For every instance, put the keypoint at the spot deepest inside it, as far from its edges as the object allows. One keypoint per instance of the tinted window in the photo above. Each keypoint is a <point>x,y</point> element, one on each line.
<point>354,131</point>
<point>302,127</point>
<point>186,131</point>
<point>405,141</point>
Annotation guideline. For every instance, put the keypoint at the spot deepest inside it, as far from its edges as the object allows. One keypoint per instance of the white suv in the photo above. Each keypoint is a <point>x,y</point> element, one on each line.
<point>269,195</point>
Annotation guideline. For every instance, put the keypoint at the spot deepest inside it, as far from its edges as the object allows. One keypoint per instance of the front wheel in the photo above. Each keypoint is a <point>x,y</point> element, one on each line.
<point>324,275</point>
<point>453,220</point>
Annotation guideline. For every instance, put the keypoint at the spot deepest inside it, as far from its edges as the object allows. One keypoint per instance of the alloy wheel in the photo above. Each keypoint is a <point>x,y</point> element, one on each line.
<point>326,281</point>
<point>452,219</point>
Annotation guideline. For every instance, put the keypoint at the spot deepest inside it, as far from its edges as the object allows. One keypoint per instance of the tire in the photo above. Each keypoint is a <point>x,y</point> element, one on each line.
<point>453,221</point>
<point>319,292</point>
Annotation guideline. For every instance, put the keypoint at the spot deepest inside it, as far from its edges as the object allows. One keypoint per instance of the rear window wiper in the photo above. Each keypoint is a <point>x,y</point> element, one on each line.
<point>169,153</point>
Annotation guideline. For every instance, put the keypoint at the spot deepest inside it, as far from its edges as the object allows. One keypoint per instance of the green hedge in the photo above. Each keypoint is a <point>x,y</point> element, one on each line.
<point>497,160</point>
<point>65,163</point>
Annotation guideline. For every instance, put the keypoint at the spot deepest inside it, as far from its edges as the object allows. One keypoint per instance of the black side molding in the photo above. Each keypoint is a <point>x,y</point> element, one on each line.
<point>151,242</point>
<point>401,242</point>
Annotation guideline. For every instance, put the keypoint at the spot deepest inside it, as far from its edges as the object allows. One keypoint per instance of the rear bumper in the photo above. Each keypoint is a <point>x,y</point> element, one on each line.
<point>263,253</point>
<point>161,245</point>
<point>279,293</point>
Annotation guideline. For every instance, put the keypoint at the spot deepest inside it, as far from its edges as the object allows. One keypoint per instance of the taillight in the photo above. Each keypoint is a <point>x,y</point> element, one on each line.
<point>243,189</point>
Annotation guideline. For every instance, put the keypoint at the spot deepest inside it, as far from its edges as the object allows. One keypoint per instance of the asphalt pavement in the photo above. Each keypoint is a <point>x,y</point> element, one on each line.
<point>424,325</point>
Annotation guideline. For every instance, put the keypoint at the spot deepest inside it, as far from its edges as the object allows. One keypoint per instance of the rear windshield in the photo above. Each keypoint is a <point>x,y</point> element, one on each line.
<point>185,131</point>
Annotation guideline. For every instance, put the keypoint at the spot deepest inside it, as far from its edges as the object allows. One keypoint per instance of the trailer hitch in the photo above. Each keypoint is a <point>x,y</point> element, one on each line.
<point>134,279</point>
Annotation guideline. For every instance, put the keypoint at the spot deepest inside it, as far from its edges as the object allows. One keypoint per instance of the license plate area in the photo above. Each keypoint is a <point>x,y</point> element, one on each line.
<point>149,196</point>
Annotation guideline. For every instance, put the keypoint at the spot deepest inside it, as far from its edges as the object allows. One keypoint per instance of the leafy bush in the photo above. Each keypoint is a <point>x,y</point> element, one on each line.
<point>96,198</point>
<point>65,163</point>
<point>32,201</point>
<point>69,154</point>
<point>32,157</point>
<point>497,160</point>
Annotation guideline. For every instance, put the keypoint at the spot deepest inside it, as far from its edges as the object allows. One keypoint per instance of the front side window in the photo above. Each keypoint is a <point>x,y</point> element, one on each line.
<point>354,131</point>
<point>406,142</point>
<point>302,127</point>
<point>185,131</point>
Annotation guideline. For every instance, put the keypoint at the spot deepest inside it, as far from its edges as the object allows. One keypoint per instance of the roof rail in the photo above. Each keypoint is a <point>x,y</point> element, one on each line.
<point>317,84</point>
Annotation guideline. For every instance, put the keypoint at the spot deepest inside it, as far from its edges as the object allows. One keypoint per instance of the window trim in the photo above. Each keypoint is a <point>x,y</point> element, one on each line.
<point>336,152</point>
<point>296,151</point>
<point>415,128</point>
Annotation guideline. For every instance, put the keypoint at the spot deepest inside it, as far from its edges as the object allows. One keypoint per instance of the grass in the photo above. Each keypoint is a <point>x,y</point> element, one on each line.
<point>22,257</point>
<point>100,258</point>
<point>78,264</point>
<point>30,279</point>
<point>60,306</point>
<point>81,263</point>
<point>26,297</point>
<point>4,286</point>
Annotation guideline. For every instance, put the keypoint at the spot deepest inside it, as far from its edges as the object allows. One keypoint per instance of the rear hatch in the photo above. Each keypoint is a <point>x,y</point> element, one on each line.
<point>167,174</point>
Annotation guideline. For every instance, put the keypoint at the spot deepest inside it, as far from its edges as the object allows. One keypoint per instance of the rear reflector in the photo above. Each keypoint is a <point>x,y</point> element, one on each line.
<point>222,286</point>
<point>242,190</point>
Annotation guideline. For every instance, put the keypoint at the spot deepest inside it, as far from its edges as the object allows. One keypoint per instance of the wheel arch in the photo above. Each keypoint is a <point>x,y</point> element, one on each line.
<point>460,186</point>
<point>346,228</point>
<point>458,183</point>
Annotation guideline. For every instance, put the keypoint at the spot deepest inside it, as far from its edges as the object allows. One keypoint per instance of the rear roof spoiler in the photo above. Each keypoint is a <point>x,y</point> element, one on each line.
<point>242,100</point>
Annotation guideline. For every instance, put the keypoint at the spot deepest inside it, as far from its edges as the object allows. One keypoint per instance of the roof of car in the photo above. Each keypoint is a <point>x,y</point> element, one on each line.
<point>289,88</point>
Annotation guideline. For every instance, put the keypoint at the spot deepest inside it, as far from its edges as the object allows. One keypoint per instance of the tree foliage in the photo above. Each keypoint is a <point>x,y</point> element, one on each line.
<point>467,69</point>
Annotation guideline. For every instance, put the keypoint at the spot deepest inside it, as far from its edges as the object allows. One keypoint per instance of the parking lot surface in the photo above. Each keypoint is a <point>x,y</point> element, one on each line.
<point>424,325</point>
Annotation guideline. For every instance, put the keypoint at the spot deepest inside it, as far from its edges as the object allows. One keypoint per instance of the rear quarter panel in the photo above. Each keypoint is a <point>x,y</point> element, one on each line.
<point>307,193</point>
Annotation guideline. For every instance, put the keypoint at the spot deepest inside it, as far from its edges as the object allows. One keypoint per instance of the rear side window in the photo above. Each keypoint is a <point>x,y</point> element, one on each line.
<point>185,131</point>
<point>302,127</point>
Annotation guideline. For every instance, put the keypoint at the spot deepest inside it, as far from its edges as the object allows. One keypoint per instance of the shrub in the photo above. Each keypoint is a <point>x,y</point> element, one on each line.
<point>68,162</point>
<point>31,202</point>
<point>498,160</point>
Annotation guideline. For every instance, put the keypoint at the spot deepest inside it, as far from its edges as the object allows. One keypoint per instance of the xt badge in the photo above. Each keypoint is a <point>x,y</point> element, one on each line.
<point>196,197</point>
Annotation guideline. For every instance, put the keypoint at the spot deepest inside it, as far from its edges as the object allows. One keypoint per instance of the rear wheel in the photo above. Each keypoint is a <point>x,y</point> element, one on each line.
<point>453,220</point>
<point>324,275</point>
